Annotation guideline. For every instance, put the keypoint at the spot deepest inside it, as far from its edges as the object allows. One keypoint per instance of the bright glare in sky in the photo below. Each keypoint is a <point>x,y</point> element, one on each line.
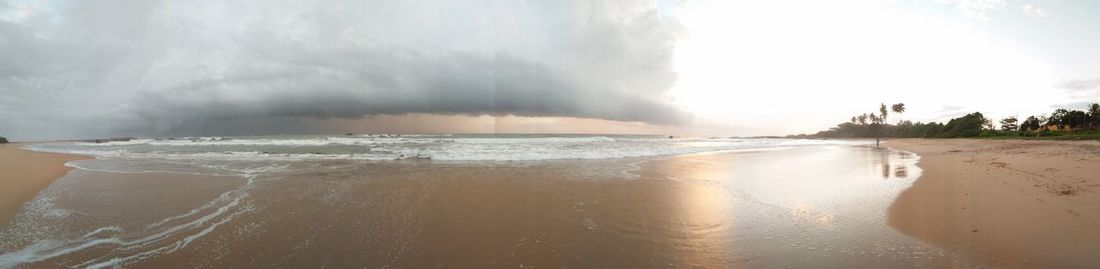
<point>775,67</point>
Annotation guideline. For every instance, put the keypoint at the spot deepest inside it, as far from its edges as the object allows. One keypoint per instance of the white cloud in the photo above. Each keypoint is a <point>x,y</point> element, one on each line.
<point>977,9</point>
<point>1031,10</point>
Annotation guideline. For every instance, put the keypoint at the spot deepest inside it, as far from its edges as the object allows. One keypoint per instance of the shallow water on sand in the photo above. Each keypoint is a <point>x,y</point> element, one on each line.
<point>817,206</point>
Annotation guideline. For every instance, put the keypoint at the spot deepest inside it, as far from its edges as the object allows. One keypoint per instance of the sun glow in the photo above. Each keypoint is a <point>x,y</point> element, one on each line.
<point>814,66</point>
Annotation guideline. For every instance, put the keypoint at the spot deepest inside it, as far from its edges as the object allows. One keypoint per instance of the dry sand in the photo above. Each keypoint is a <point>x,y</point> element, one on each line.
<point>25,173</point>
<point>1009,203</point>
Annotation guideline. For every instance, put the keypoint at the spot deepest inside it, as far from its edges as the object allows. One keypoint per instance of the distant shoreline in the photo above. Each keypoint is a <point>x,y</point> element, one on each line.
<point>25,174</point>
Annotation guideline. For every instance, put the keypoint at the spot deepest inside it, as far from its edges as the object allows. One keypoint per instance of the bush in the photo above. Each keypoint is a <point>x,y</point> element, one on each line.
<point>965,126</point>
<point>995,133</point>
<point>3,140</point>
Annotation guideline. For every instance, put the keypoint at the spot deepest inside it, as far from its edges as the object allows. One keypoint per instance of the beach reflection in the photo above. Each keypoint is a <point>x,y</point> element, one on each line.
<point>901,172</point>
<point>893,164</point>
<point>802,208</point>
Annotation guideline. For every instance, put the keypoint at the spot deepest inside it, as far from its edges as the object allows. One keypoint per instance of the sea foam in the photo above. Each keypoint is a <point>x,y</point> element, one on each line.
<point>440,148</point>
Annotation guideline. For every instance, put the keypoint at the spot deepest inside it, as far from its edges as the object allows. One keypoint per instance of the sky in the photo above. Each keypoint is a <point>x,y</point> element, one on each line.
<point>83,69</point>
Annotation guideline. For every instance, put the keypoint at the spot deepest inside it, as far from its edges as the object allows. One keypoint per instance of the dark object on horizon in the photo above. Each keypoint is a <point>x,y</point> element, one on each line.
<point>349,134</point>
<point>671,137</point>
<point>3,140</point>
<point>114,139</point>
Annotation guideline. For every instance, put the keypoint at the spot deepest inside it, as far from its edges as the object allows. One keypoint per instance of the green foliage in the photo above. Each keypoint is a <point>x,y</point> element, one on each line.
<point>882,113</point>
<point>965,126</point>
<point>934,129</point>
<point>1075,119</point>
<point>898,108</point>
<point>1009,124</point>
<point>1077,135</point>
<point>903,129</point>
<point>1083,125</point>
<point>1056,117</point>
<point>996,133</point>
<point>1054,135</point>
<point>3,140</point>
<point>1094,115</point>
<point>1030,124</point>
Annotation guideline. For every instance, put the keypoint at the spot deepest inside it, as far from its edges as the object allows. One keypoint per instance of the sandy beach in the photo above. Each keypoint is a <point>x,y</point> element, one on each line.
<point>961,204</point>
<point>1009,203</point>
<point>714,210</point>
<point>25,174</point>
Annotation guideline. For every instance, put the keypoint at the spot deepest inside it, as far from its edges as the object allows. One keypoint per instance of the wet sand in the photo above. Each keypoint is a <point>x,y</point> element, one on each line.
<point>803,207</point>
<point>1009,203</point>
<point>25,173</point>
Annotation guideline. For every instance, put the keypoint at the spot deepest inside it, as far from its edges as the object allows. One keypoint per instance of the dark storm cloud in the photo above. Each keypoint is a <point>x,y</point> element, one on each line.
<point>139,65</point>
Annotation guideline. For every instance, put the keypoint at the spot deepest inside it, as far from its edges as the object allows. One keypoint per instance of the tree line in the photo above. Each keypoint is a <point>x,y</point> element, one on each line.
<point>874,125</point>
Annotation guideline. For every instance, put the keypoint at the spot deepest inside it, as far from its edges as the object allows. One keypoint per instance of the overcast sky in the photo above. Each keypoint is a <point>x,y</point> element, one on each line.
<point>74,69</point>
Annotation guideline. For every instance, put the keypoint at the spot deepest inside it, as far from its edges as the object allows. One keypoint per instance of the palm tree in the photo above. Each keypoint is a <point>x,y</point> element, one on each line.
<point>1094,114</point>
<point>882,111</point>
<point>862,119</point>
<point>898,108</point>
<point>876,124</point>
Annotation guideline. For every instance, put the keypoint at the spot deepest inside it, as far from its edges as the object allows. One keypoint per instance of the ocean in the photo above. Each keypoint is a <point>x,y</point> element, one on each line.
<point>440,147</point>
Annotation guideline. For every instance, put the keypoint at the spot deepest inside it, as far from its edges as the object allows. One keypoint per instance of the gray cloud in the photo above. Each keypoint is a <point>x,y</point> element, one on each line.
<point>1080,84</point>
<point>146,66</point>
<point>1081,88</point>
<point>1072,106</point>
<point>949,108</point>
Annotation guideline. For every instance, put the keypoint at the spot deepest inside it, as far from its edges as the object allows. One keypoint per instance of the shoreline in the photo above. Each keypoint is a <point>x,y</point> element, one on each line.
<point>26,173</point>
<point>745,209</point>
<point>1007,203</point>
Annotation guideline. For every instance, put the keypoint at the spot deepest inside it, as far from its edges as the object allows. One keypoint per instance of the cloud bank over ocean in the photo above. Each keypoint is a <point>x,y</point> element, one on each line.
<point>140,65</point>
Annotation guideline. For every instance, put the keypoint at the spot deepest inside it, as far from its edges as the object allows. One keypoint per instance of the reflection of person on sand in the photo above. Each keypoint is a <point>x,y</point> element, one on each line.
<point>877,141</point>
